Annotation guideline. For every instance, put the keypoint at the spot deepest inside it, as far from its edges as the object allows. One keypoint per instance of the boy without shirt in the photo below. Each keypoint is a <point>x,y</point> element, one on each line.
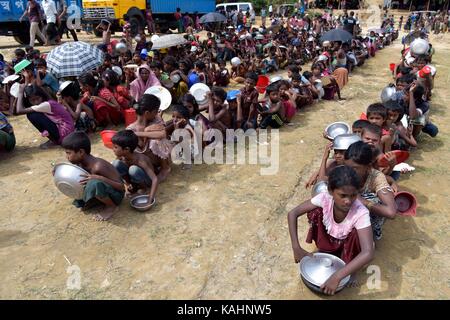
<point>103,184</point>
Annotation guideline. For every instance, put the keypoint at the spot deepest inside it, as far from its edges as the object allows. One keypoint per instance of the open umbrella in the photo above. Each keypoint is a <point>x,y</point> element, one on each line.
<point>337,35</point>
<point>167,41</point>
<point>71,59</point>
<point>213,17</point>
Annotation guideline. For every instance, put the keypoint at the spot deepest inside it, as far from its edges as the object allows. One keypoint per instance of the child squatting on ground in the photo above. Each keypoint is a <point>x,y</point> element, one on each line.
<point>351,240</point>
<point>103,184</point>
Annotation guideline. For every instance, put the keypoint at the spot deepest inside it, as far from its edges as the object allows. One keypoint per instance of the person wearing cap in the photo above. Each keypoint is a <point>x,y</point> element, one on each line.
<point>235,109</point>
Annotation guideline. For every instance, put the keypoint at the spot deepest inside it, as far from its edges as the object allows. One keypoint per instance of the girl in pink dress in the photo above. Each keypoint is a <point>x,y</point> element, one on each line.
<point>339,225</point>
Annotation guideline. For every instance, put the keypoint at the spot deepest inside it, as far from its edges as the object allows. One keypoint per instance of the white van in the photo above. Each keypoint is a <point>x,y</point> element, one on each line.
<point>229,7</point>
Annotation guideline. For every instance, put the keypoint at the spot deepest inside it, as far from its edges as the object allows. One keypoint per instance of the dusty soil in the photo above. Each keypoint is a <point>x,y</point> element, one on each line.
<point>220,231</point>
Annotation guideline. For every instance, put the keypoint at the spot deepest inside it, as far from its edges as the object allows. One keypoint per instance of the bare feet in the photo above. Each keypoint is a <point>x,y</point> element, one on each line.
<point>106,214</point>
<point>47,145</point>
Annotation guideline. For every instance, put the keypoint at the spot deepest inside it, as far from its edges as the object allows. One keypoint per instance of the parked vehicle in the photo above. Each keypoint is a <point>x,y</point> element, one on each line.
<point>234,6</point>
<point>12,10</point>
<point>117,12</point>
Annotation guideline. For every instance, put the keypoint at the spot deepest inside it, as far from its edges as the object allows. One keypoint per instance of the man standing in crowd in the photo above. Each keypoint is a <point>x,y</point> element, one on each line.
<point>50,16</point>
<point>33,11</point>
<point>179,19</point>
<point>263,16</point>
<point>350,23</point>
<point>62,17</point>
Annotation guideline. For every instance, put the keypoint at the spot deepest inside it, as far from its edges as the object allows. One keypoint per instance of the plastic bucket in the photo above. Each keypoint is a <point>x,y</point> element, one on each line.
<point>129,115</point>
<point>107,137</point>
<point>406,203</point>
<point>262,83</point>
<point>392,67</point>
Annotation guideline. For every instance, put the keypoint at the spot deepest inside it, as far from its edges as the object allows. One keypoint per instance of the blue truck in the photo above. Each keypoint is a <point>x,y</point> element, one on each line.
<point>133,11</point>
<point>12,10</point>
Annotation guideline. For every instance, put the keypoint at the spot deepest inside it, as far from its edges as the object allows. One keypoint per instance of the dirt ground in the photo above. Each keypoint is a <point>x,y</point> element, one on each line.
<point>220,231</point>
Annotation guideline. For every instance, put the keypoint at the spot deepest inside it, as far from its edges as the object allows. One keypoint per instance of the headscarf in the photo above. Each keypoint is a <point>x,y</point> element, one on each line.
<point>138,86</point>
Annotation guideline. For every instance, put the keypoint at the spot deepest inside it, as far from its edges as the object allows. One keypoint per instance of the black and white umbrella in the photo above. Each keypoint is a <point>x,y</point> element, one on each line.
<point>337,35</point>
<point>213,17</point>
<point>71,59</point>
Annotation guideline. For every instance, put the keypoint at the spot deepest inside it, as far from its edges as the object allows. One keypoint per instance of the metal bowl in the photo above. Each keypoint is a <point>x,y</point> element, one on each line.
<point>275,79</point>
<point>319,187</point>
<point>67,179</point>
<point>343,141</point>
<point>419,46</point>
<point>337,128</point>
<point>142,203</point>
<point>388,93</point>
<point>316,270</point>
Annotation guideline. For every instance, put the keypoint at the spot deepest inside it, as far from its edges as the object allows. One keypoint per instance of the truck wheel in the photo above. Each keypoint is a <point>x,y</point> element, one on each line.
<point>21,40</point>
<point>23,37</point>
<point>136,24</point>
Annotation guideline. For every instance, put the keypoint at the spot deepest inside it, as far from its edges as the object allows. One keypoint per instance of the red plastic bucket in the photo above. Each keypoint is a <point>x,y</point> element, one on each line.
<point>392,67</point>
<point>406,203</point>
<point>262,83</point>
<point>107,137</point>
<point>129,115</point>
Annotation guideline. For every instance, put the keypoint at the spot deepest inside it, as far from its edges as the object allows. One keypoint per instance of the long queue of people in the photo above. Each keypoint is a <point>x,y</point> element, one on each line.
<point>346,217</point>
<point>66,110</point>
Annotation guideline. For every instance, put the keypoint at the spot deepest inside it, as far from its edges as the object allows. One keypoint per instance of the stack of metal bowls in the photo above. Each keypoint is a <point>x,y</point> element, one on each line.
<point>337,128</point>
